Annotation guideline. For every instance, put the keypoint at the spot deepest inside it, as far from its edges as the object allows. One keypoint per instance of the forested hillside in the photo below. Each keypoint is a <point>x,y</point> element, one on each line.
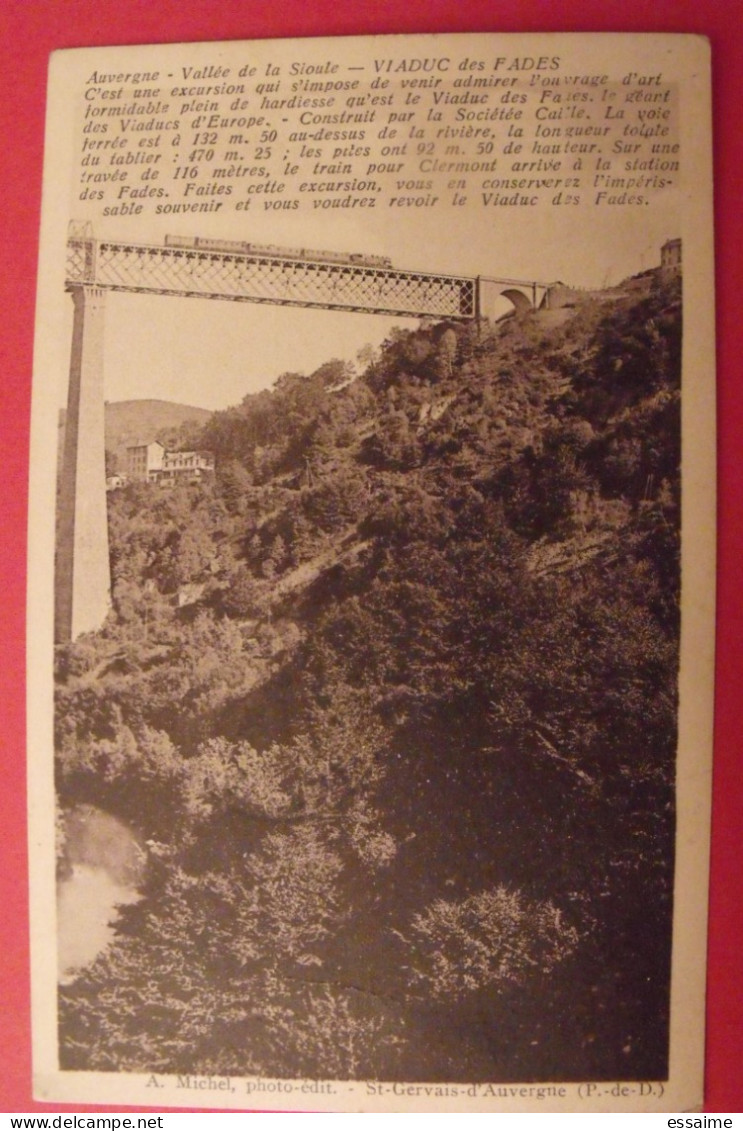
<point>391,705</point>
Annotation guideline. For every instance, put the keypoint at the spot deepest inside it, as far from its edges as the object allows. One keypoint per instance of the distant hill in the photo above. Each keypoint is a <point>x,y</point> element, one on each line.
<point>138,421</point>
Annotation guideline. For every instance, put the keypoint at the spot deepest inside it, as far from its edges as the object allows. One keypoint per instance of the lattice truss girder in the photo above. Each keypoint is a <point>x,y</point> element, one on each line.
<point>253,278</point>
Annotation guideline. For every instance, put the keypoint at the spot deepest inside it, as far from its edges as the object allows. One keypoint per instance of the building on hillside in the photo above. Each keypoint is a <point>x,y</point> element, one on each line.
<point>670,256</point>
<point>179,466</point>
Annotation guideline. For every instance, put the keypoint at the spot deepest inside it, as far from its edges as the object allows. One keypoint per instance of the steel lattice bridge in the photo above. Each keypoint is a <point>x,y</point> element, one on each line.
<point>211,269</point>
<point>217,270</point>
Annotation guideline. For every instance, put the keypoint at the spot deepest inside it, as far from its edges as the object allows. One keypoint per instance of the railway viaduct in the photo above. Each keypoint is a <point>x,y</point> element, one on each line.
<point>96,267</point>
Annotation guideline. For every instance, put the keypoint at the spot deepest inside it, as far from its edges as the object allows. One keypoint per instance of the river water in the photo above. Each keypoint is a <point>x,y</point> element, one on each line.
<point>103,869</point>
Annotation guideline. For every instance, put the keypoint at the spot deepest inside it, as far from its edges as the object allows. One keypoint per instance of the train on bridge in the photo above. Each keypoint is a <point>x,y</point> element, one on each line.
<point>272,251</point>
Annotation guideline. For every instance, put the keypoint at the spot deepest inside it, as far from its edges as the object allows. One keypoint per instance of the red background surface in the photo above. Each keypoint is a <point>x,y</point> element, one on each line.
<point>28,32</point>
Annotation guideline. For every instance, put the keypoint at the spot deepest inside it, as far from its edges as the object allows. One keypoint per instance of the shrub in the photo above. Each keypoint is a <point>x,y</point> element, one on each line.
<point>495,939</point>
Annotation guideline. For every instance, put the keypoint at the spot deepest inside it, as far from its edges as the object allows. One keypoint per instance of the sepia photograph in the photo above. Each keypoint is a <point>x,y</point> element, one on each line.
<point>373,449</point>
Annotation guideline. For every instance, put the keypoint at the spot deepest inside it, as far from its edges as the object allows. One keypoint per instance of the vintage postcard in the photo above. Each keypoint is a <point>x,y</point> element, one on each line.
<point>372,575</point>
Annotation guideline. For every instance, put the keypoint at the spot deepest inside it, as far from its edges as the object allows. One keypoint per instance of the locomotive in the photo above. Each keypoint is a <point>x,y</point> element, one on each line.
<point>272,251</point>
